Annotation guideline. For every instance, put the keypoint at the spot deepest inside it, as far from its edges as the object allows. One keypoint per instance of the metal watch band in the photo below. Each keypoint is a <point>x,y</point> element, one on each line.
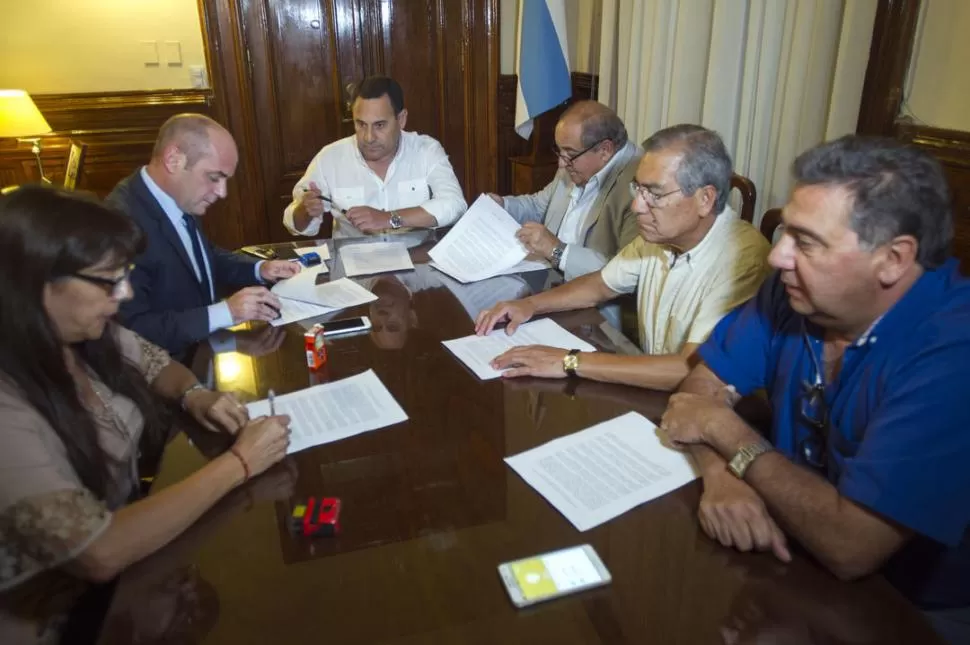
<point>197,386</point>
<point>557,254</point>
<point>746,455</point>
<point>396,221</point>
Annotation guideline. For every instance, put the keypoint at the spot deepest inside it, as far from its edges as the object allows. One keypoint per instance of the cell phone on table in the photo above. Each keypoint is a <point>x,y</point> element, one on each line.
<point>552,575</point>
<point>346,325</point>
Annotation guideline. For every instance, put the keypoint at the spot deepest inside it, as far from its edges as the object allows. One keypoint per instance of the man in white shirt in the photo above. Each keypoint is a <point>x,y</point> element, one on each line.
<point>693,262</point>
<point>582,218</point>
<point>381,178</point>
<point>180,277</point>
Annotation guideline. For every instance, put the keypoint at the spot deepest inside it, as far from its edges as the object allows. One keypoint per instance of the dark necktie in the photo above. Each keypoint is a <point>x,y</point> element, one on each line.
<point>199,256</point>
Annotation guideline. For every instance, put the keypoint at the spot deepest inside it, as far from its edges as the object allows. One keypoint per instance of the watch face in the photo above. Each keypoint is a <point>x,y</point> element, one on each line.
<point>570,362</point>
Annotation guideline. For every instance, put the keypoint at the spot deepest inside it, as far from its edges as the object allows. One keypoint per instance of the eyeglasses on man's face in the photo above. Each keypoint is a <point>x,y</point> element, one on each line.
<point>569,159</point>
<point>813,412</point>
<point>647,195</point>
<point>114,287</point>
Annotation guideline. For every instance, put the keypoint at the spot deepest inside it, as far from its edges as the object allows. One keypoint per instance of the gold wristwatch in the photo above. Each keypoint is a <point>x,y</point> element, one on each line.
<point>746,455</point>
<point>570,362</point>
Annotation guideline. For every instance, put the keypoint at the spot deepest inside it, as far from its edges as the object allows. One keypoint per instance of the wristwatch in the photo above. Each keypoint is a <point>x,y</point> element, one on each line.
<point>557,254</point>
<point>189,390</point>
<point>746,455</point>
<point>396,221</point>
<point>570,362</point>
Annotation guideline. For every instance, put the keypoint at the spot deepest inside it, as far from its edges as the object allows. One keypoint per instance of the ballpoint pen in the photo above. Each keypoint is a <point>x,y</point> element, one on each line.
<point>333,206</point>
<point>271,395</point>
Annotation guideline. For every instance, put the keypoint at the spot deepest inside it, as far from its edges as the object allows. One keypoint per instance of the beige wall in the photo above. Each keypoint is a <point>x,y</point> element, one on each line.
<point>55,46</point>
<point>939,76</point>
<point>582,32</point>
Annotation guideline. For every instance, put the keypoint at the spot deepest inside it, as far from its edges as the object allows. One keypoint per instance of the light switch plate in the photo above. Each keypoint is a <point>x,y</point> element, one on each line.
<point>173,53</point>
<point>149,51</point>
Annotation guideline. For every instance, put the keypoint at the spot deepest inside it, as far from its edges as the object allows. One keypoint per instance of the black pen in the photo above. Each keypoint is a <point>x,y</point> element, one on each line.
<point>333,206</point>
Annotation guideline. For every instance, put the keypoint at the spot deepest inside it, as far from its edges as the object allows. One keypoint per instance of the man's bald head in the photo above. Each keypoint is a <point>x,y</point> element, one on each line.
<point>192,134</point>
<point>193,158</point>
<point>598,122</point>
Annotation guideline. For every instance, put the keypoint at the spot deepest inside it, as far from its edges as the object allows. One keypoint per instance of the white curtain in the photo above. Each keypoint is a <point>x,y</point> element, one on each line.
<point>773,77</point>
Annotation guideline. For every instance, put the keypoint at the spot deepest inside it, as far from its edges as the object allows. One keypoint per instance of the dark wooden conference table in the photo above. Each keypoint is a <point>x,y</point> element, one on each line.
<point>430,510</point>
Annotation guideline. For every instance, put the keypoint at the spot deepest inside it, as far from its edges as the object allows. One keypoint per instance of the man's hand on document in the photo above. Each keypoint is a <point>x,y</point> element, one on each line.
<point>531,360</point>
<point>514,312</point>
<point>537,239</point>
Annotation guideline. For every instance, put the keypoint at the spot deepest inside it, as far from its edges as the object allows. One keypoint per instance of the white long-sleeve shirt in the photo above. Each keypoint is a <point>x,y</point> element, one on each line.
<point>419,175</point>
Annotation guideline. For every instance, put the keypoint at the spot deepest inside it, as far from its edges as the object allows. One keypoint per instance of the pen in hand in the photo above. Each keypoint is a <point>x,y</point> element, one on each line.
<point>271,395</point>
<point>333,207</point>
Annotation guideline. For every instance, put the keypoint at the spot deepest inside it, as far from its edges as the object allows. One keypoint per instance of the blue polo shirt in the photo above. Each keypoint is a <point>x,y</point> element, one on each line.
<point>899,415</point>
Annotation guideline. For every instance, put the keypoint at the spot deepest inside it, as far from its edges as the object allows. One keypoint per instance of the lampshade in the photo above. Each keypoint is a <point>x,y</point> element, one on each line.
<point>19,117</point>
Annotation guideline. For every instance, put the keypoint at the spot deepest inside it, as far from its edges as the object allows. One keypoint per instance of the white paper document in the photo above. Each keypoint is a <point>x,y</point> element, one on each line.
<point>294,310</point>
<point>336,294</point>
<point>481,244</point>
<point>323,251</point>
<point>375,257</point>
<point>334,411</point>
<point>599,473</point>
<point>477,351</point>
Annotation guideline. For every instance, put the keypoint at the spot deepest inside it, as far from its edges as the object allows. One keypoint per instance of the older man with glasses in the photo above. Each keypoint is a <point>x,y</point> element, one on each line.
<point>582,218</point>
<point>693,262</point>
<point>862,341</point>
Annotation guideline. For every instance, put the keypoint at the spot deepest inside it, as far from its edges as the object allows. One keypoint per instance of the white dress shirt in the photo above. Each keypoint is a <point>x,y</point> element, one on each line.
<point>220,316</point>
<point>419,175</point>
<point>680,298</point>
<point>581,199</point>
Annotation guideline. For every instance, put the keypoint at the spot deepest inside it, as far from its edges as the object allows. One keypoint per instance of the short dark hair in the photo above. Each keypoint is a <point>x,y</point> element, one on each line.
<point>705,160</point>
<point>374,87</point>
<point>897,189</point>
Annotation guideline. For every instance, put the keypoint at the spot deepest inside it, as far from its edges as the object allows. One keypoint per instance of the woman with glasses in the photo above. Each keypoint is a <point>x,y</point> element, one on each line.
<point>78,403</point>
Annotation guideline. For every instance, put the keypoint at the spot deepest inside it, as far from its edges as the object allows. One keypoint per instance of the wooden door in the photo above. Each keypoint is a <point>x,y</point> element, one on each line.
<point>280,70</point>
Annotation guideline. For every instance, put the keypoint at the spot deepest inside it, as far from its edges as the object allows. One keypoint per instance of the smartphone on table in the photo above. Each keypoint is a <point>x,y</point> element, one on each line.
<point>346,325</point>
<point>553,574</point>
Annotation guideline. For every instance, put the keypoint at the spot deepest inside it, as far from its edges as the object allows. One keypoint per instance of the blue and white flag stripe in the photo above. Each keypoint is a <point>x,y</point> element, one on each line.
<point>543,63</point>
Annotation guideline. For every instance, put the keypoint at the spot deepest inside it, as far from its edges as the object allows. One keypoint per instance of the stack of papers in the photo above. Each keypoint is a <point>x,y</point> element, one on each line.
<point>302,297</point>
<point>478,351</point>
<point>599,473</point>
<point>482,244</point>
<point>375,257</point>
<point>333,411</point>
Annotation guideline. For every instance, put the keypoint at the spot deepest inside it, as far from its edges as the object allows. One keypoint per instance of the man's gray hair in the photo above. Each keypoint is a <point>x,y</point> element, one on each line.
<point>600,123</point>
<point>705,160</point>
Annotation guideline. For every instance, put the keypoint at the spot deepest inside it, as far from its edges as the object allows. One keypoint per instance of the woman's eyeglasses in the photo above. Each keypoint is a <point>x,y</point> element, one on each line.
<point>115,287</point>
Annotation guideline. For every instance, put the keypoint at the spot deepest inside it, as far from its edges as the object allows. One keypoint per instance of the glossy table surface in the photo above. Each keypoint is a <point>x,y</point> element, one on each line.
<point>430,511</point>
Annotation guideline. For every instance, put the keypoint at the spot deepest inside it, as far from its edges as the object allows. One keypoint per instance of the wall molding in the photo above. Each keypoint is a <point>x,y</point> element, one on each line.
<point>951,147</point>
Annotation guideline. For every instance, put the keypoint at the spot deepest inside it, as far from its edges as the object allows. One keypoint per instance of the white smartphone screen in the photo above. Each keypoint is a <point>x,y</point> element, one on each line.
<point>554,574</point>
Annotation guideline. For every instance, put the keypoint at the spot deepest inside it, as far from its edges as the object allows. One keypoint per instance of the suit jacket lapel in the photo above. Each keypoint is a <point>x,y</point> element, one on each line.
<point>556,210</point>
<point>168,232</point>
<point>609,182</point>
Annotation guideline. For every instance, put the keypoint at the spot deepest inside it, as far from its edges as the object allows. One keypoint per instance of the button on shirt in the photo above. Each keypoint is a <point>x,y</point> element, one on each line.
<point>419,175</point>
<point>220,316</point>
<point>898,440</point>
<point>680,298</point>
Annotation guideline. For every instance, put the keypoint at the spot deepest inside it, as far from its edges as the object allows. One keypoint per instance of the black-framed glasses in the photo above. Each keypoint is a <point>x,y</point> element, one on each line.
<point>115,287</point>
<point>569,159</point>
<point>650,197</point>
<point>813,412</point>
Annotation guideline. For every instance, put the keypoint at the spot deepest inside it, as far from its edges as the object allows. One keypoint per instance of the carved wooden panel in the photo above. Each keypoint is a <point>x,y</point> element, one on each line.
<point>952,148</point>
<point>118,127</point>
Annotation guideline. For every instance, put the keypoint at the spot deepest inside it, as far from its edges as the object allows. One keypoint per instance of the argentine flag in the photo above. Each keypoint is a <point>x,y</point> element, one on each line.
<point>542,65</point>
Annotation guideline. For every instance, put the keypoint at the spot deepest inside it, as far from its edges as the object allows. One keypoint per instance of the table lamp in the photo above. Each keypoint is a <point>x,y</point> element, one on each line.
<point>20,118</point>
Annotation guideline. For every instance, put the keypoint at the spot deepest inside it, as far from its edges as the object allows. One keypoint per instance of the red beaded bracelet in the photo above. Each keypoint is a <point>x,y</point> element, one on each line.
<point>245,466</point>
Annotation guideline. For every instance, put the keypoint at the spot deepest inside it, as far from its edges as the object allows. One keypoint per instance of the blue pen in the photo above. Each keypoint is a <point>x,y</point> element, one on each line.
<point>272,403</point>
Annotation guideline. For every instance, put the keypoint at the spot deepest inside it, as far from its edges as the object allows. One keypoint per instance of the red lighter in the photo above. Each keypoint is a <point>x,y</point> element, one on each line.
<point>320,516</point>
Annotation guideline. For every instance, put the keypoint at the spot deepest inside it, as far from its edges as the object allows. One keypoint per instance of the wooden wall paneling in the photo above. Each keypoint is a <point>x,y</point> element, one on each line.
<point>240,218</point>
<point>892,44</point>
<point>952,148</point>
<point>119,128</point>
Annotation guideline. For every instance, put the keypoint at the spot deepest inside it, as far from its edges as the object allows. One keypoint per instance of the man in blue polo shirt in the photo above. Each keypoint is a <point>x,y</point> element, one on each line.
<point>862,341</point>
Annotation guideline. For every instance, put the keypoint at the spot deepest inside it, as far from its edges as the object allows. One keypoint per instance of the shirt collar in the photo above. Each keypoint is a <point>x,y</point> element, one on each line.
<point>713,239</point>
<point>164,200</point>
